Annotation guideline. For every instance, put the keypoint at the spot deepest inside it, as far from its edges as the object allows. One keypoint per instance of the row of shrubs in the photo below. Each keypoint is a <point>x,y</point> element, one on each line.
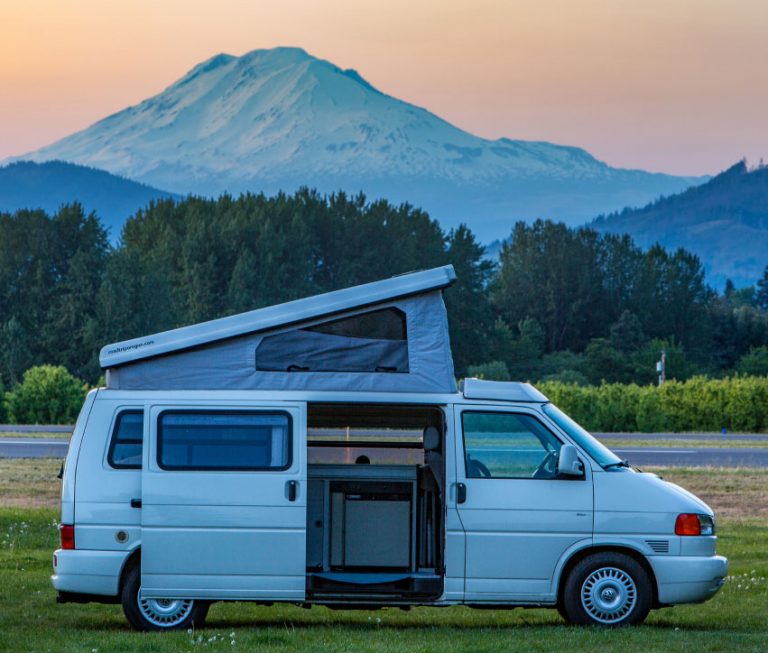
<point>699,404</point>
<point>51,395</point>
<point>46,395</point>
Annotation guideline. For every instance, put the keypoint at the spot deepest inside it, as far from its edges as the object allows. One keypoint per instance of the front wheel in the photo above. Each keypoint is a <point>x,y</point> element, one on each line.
<point>159,614</point>
<point>607,589</point>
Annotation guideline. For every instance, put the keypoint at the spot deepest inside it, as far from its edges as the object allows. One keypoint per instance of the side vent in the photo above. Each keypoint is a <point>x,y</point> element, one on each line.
<point>658,546</point>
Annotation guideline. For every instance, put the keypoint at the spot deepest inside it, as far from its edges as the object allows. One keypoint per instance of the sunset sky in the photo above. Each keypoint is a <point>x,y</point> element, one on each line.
<point>676,86</point>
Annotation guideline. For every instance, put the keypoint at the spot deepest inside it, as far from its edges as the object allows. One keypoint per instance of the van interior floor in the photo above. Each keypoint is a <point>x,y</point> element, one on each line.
<point>374,506</point>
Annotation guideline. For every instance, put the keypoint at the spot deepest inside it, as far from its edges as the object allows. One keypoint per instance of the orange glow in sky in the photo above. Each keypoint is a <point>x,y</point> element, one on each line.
<point>676,86</point>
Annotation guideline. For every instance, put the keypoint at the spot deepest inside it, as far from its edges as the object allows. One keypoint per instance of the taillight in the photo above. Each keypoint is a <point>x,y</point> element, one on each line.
<point>693,524</point>
<point>67,532</point>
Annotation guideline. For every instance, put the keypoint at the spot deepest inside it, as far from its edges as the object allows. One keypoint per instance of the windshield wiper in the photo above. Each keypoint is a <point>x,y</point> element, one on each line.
<point>621,463</point>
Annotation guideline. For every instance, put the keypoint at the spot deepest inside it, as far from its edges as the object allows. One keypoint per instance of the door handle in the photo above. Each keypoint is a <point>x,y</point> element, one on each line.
<point>135,503</point>
<point>292,486</point>
<point>461,493</point>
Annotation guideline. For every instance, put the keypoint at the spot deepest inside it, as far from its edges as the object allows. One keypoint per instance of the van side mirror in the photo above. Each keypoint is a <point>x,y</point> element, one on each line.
<point>568,463</point>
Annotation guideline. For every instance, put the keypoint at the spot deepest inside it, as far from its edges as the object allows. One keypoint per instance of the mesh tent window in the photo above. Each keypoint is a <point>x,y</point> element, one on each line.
<point>375,341</point>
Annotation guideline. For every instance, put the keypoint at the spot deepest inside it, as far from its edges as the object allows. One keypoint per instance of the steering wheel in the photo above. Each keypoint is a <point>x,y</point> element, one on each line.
<point>548,467</point>
<point>476,469</point>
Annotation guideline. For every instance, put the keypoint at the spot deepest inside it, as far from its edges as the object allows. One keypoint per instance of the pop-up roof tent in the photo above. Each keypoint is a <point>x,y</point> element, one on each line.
<point>386,336</point>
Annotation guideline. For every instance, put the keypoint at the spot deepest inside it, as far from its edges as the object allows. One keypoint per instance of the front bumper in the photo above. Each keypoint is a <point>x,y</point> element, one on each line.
<point>88,572</point>
<point>688,579</point>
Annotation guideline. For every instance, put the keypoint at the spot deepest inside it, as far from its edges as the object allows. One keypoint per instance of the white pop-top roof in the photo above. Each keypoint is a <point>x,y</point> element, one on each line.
<point>280,315</point>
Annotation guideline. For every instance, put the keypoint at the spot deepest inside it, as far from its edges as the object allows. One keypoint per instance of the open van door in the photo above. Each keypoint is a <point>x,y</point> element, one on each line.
<point>224,501</point>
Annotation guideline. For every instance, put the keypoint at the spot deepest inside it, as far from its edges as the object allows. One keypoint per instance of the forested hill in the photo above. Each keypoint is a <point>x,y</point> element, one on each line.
<point>47,186</point>
<point>561,303</point>
<point>725,222</point>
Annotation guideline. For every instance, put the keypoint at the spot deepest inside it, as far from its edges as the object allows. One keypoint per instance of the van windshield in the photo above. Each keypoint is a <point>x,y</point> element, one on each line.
<point>601,454</point>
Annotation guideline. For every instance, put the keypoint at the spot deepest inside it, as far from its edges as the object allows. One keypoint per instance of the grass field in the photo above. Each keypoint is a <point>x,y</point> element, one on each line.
<point>30,620</point>
<point>35,434</point>
<point>684,443</point>
<point>613,439</point>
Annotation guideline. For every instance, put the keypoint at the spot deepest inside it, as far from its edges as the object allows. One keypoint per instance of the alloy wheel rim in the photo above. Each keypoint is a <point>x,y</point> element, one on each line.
<point>608,595</point>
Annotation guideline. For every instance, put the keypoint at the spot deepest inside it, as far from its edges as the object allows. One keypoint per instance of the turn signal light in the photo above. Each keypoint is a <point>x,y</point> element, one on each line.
<point>693,524</point>
<point>67,532</point>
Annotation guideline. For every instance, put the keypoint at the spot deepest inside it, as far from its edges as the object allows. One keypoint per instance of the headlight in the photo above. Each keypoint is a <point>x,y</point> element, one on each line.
<point>694,524</point>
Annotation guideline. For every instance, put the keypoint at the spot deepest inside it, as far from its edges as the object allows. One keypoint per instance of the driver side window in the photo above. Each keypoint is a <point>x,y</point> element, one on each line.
<point>508,445</point>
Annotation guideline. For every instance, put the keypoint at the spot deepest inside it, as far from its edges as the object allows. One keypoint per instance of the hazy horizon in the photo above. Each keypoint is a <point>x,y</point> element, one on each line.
<point>675,87</point>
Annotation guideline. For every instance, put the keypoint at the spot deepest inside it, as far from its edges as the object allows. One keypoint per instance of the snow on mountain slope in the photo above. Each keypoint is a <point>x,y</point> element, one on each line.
<point>279,119</point>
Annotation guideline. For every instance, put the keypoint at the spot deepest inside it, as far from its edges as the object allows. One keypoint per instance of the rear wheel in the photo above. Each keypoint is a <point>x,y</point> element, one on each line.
<point>159,614</point>
<point>607,589</point>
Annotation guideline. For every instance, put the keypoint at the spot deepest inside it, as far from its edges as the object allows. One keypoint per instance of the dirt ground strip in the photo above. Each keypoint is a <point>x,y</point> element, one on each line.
<point>733,493</point>
<point>30,482</point>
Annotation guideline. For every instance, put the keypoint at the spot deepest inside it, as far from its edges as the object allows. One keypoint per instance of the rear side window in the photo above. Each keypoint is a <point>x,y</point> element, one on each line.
<point>127,438</point>
<point>216,440</point>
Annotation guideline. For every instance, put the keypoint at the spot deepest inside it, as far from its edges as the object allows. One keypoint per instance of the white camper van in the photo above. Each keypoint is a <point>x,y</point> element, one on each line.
<point>319,453</point>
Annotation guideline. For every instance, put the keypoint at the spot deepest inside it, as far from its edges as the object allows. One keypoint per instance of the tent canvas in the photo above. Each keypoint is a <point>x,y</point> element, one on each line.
<point>390,335</point>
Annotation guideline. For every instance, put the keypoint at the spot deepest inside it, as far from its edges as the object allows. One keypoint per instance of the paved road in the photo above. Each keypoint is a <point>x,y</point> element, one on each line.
<point>36,428</point>
<point>640,456</point>
<point>33,448</point>
<point>714,437</point>
<point>694,456</point>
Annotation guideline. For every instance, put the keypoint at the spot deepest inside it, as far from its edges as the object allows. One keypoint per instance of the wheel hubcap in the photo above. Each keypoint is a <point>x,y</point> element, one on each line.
<point>608,595</point>
<point>165,612</point>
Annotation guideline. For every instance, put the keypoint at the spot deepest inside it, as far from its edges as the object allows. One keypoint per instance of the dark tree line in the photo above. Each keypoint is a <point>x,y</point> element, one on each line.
<point>560,303</point>
<point>573,291</point>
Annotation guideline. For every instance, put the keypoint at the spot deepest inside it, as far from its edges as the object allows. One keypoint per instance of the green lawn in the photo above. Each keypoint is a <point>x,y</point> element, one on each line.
<point>30,620</point>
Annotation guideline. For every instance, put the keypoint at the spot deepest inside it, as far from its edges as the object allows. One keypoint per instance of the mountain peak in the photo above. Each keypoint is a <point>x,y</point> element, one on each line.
<point>280,118</point>
<point>286,53</point>
<point>216,61</point>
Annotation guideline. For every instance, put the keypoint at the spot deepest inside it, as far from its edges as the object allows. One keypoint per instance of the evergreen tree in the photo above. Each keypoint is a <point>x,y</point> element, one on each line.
<point>626,334</point>
<point>560,300</point>
<point>470,316</point>
<point>15,355</point>
<point>761,294</point>
<point>83,246</point>
<point>754,363</point>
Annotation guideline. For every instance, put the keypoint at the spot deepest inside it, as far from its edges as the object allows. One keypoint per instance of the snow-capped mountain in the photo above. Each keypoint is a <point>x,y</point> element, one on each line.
<point>279,119</point>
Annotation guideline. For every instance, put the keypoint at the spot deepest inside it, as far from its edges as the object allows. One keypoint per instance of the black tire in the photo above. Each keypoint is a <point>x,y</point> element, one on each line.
<point>607,589</point>
<point>159,614</point>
